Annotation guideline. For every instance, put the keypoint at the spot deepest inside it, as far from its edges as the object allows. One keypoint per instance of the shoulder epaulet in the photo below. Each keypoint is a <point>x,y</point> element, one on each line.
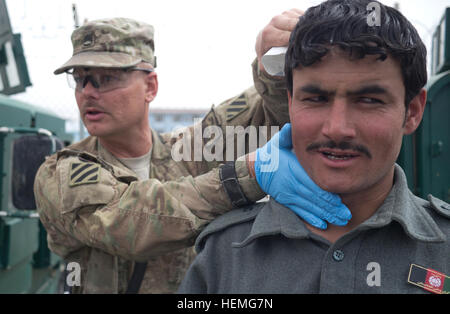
<point>227,220</point>
<point>441,207</point>
<point>84,168</point>
<point>84,157</point>
<point>237,106</point>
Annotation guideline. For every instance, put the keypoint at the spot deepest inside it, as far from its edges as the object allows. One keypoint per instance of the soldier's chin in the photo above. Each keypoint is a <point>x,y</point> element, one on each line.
<point>94,129</point>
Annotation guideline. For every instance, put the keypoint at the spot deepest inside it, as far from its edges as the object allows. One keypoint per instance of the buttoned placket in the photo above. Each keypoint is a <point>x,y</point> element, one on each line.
<point>337,274</point>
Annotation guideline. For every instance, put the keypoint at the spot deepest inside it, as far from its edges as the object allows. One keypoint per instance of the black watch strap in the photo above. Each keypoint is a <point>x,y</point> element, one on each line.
<point>231,185</point>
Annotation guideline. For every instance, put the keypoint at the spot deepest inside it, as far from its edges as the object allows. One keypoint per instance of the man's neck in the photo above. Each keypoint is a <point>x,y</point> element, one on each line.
<point>362,205</point>
<point>129,146</point>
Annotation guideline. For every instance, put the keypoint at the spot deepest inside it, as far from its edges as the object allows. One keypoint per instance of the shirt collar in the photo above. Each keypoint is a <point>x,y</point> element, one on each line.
<point>400,205</point>
<point>273,219</point>
<point>408,210</point>
<point>159,149</point>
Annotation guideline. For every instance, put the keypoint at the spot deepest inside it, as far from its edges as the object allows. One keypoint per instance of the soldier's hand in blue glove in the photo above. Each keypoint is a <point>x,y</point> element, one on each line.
<point>280,175</point>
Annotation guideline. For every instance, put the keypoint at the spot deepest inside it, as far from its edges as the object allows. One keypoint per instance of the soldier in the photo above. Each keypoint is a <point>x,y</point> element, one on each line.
<point>117,203</point>
<point>354,91</point>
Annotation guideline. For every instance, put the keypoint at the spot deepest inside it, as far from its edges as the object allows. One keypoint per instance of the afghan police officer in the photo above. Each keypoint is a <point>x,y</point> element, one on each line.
<point>354,91</point>
<point>117,203</point>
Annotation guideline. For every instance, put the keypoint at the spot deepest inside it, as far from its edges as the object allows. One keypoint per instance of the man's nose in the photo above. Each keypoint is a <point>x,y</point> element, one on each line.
<point>340,124</point>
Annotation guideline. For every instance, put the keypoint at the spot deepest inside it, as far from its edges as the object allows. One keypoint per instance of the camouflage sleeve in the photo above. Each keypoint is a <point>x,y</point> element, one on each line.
<point>135,220</point>
<point>263,105</point>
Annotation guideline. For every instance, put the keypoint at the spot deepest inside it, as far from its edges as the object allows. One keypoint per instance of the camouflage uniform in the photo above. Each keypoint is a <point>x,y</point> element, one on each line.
<point>98,213</point>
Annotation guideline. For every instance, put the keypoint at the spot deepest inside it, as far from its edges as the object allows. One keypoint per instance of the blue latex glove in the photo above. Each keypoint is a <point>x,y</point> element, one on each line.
<point>280,175</point>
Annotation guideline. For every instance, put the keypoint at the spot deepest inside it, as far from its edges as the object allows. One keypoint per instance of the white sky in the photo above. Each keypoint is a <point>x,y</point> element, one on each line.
<point>204,47</point>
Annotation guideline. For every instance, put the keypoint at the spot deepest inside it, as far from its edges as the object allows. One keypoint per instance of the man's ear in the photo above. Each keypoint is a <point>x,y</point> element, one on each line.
<point>415,112</point>
<point>151,81</point>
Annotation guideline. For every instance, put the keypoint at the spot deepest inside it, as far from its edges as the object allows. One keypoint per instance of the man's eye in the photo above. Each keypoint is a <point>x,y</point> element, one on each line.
<point>78,79</point>
<point>316,99</point>
<point>369,100</point>
<point>108,79</point>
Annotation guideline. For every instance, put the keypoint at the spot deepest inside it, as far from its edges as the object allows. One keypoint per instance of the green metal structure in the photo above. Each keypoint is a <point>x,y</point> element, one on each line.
<point>27,135</point>
<point>14,76</point>
<point>433,137</point>
<point>440,52</point>
<point>425,155</point>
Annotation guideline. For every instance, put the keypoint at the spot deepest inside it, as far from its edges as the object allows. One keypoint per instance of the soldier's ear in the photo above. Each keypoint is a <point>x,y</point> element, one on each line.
<point>415,111</point>
<point>151,86</point>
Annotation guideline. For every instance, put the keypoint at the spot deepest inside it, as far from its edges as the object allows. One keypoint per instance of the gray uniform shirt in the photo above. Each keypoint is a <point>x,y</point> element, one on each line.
<point>266,248</point>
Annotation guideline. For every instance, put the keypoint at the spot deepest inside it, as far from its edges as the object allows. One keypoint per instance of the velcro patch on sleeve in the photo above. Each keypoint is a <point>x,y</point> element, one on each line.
<point>83,173</point>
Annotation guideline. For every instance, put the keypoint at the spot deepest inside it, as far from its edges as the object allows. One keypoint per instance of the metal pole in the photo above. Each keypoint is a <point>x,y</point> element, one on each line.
<point>22,214</point>
<point>77,24</point>
<point>75,15</point>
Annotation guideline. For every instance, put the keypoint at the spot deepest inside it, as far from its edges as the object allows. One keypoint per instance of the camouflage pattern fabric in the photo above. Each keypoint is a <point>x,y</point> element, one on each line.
<point>111,43</point>
<point>98,214</point>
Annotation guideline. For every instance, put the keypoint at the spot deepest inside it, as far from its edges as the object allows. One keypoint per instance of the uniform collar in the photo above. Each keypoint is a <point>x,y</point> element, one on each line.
<point>273,219</point>
<point>159,149</point>
<point>408,210</point>
<point>92,146</point>
<point>400,205</point>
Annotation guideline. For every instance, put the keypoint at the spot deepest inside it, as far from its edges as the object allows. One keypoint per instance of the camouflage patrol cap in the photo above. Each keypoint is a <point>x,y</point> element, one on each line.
<point>111,43</point>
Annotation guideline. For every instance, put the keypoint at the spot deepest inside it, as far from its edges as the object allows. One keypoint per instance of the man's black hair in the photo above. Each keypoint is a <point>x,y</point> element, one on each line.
<point>347,24</point>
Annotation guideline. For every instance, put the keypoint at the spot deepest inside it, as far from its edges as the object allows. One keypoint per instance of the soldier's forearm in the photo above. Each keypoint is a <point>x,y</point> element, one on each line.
<point>246,176</point>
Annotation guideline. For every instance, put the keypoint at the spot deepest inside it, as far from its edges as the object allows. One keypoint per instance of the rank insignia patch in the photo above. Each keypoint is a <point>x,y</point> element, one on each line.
<point>429,279</point>
<point>236,107</point>
<point>84,173</point>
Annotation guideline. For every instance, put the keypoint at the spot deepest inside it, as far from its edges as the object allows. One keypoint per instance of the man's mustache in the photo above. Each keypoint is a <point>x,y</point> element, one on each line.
<point>341,145</point>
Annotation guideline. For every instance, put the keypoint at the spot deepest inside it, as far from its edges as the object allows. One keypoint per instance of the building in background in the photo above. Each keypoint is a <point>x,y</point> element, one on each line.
<point>167,120</point>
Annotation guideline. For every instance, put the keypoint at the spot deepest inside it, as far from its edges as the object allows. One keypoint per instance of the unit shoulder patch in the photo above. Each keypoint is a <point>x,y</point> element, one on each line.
<point>237,106</point>
<point>83,173</point>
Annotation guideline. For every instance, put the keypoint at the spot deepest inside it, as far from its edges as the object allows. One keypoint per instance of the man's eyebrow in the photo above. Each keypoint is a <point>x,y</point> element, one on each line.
<point>315,89</point>
<point>370,89</point>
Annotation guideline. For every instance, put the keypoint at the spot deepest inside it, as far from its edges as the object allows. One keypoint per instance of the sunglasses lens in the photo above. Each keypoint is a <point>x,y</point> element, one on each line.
<point>103,81</point>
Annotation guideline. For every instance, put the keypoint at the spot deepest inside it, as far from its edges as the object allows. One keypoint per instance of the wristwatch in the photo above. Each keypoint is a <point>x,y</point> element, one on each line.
<point>230,183</point>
